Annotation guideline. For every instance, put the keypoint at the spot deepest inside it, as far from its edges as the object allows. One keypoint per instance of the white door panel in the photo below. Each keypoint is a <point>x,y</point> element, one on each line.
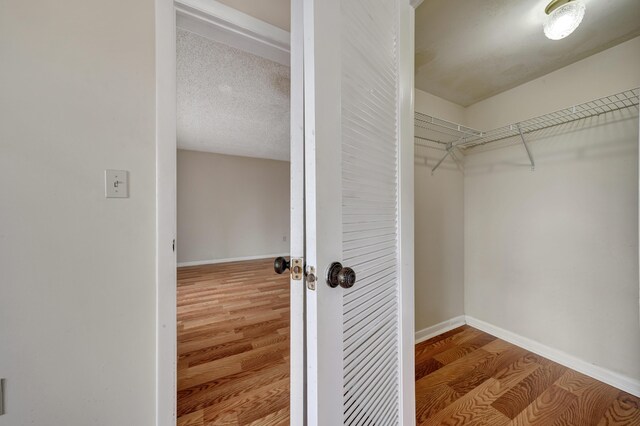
<point>370,192</point>
<point>351,121</point>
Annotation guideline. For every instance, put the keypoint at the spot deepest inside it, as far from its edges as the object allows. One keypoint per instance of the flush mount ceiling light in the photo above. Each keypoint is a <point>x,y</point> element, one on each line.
<point>563,17</point>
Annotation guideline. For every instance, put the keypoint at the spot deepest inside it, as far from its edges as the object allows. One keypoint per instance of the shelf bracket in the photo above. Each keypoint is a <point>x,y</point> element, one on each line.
<point>449,149</point>
<point>458,162</point>
<point>526,147</point>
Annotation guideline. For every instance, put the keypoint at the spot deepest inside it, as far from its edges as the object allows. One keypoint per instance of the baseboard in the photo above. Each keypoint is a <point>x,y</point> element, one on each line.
<point>443,327</point>
<point>607,376</point>
<point>230,259</point>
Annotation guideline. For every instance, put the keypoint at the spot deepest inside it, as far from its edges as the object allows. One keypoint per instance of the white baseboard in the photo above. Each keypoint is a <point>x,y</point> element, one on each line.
<point>230,259</point>
<point>443,327</point>
<point>607,376</point>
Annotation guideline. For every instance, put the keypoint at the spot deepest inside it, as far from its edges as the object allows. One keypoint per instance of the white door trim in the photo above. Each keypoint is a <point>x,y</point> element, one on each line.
<point>166,337</point>
<point>297,381</point>
<point>231,27</point>
<point>406,57</point>
<point>221,23</point>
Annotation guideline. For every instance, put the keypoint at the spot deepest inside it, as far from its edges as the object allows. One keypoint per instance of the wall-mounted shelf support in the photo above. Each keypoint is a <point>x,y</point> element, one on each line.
<point>444,157</point>
<point>449,149</point>
<point>524,142</point>
<point>457,160</point>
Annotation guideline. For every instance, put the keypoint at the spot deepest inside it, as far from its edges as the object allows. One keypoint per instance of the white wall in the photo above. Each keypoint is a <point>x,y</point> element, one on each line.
<point>231,207</point>
<point>439,225</point>
<point>429,104</point>
<point>552,255</point>
<point>77,280</point>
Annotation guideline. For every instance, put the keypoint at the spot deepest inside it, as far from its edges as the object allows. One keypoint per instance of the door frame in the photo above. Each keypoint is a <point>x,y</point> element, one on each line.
<point>271,43</point>
<point>406,58</point>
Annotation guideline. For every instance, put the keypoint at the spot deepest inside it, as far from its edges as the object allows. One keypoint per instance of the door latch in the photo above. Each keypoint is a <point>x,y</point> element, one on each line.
<point>311,278</point>
<point>297,269</point>
<point>295,265</point>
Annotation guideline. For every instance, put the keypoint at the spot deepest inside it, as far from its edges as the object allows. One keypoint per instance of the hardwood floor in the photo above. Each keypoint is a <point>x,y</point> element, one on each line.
<point>233,345</point>
<point>467,377</point>
<point>233,364</point>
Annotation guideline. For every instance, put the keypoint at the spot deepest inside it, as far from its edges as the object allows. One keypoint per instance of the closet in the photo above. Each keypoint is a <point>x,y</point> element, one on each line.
<point>528,229</point>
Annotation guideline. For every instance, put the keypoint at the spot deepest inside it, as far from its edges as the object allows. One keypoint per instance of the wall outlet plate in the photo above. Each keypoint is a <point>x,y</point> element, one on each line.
<point>116,184</point>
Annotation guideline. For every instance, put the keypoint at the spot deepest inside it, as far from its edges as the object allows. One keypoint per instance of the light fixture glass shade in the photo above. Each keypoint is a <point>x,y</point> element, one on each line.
<point>564,20</point>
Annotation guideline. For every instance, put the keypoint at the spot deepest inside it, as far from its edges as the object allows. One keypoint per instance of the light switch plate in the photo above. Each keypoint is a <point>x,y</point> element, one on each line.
<point>116,183</point>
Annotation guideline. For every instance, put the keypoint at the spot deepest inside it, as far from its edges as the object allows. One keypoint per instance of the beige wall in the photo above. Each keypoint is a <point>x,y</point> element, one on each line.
<point>439,226</point>
<point>552,255</point>
<point>231,207</point>
<point>77,280</point>
<point>429,104</point>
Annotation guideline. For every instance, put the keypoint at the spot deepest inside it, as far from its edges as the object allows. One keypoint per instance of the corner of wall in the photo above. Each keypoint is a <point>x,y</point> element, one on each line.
<point>433,105</point>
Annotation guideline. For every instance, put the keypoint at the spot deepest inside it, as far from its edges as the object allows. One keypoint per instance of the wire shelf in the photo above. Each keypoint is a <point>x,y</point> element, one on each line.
<point>466,137</point>
<point>443,132</point>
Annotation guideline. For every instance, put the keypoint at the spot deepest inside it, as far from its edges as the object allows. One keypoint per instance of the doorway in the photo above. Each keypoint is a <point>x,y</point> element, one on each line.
<point>233,174</point>
<point>400,397</point>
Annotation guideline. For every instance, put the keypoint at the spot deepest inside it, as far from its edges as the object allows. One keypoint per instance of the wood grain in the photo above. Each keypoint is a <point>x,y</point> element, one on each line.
<point>528,390</point>
<point>592,400</point>
<point>546,408</point>
<point>625,410</point>
<point>233,345</point>
<point>491,382</point>
<point>233,364</point>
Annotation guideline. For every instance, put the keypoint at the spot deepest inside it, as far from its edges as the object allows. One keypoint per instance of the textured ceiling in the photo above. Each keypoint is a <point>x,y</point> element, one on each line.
<point>229,101</point>
<point>467,51</point>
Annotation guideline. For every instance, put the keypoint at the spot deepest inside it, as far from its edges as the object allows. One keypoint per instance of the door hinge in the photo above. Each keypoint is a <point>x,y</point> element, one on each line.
<point>297,269</point>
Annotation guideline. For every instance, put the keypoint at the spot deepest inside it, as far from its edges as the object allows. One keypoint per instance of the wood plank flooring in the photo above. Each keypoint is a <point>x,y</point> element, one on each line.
<point>233,345</point>
<point>233,364</point>
<point>467,377</point>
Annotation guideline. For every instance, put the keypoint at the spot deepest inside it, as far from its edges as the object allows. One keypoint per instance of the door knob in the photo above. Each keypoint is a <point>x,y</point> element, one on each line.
<point>280,264</point>
<point>339,276</point>
<point>346,277</point>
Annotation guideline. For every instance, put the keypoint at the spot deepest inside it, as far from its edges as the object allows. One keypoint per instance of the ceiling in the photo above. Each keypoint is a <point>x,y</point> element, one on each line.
<point>467,51</point>
<point>233,102</point>
<point>229,101</point>
<point>274,12</point>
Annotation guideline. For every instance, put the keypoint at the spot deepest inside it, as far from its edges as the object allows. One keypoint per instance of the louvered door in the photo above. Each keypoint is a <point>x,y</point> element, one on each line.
<point>351,126</point>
